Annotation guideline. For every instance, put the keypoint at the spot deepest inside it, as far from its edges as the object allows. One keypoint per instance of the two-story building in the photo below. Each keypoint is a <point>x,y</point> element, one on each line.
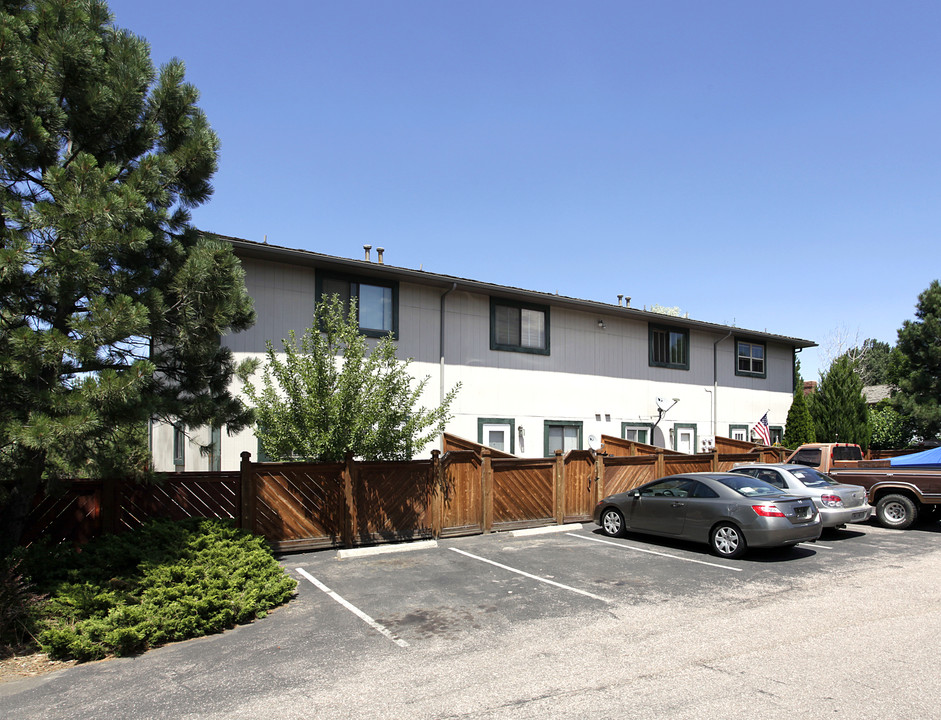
<point>537,371</point>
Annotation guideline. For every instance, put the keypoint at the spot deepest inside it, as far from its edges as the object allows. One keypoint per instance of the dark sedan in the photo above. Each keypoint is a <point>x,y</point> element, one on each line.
<point>728,512</point>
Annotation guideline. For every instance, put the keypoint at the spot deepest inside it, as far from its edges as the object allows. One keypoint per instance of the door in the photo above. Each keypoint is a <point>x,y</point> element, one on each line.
<point>661,507</point>
<point>497,436</point>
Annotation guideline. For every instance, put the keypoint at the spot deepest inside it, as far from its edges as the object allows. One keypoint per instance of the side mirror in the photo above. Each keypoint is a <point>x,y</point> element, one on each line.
<point>636,493</point>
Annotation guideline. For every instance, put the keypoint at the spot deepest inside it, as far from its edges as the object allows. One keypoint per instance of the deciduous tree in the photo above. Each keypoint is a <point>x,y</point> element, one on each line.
<point>111,303</point>
<point>331,394</point>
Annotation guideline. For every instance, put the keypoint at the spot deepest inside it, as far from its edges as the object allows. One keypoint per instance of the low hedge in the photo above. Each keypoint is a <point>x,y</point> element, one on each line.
<point>167,581</point>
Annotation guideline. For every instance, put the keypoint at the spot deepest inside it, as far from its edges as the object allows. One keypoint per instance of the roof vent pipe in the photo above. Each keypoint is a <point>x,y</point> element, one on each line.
<point>379,252</point>
<point>367,248</point>
<point>620,298</point>
<point>627,301</point>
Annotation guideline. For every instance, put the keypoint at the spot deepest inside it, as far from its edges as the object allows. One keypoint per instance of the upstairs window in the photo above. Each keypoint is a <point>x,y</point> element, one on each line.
<point>750,359</point>
<point>377,302</point>
<point>669,347</point>
<point>519,327</point>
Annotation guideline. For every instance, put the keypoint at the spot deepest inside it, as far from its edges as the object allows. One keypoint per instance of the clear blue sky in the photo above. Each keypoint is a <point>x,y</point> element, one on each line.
<point>769,165</point>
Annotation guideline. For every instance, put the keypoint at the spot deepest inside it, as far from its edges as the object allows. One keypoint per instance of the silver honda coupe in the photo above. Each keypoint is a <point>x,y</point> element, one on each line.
<point>730,512</point>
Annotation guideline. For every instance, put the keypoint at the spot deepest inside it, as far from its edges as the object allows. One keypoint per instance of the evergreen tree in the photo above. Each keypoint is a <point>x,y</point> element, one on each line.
<point>916,365</point>
<point>839,409</point>
<point>331,395</point>
<point>111,304</point>
<point>800,425</point>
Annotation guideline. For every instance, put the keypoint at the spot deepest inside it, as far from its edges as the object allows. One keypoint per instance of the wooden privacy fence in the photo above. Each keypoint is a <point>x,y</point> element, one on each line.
<point>299,506</point>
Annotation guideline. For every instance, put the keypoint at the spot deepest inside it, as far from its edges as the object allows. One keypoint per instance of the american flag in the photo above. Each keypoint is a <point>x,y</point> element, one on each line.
<point>762,431</point>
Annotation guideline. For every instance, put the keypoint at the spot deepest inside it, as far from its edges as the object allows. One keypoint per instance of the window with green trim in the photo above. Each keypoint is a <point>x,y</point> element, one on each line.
<point>377,301</point>
<point>562,435</point>
<point>669,347</point>
<point>519,327</point>
<point>638,432</point>
<point>497,433</point>
<point>750,359</point>
<point>179,446</point>
<point>739,432</point>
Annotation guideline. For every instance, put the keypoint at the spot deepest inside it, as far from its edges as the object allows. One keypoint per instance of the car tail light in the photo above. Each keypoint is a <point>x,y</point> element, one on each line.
<point>832,501</point>
<point>767,510</point>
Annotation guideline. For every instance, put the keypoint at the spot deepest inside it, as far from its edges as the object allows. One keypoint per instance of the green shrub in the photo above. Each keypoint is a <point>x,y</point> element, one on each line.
<point>19,604</point>
<point>122,594</point>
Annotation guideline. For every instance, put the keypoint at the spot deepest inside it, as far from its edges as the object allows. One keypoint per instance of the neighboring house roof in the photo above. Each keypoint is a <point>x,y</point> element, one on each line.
<point>876,393</point>
<point>368,268</point>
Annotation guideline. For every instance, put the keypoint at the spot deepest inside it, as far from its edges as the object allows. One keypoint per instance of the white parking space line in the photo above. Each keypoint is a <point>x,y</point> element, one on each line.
<point>353,609</point>
<point>654,552</point>
<point>816,545</point>
<point>529,575</point>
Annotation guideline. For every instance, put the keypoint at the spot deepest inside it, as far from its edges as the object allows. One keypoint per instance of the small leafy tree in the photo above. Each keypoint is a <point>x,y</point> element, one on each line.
<point>888,428</point>
<point>800,425</point>
<point>916,364</point>
<point>331,394</point>
<point>839,409</point>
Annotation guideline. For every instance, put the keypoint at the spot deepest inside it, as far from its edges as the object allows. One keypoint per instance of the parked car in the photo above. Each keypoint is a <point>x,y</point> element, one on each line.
<point>838,504</point>
<point>729,511</point>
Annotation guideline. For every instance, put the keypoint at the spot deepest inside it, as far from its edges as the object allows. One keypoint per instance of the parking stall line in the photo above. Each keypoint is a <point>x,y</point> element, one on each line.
<point>531,576</point>
<point>816,545</point>
<point>654,552</point>
<point>353,609</point>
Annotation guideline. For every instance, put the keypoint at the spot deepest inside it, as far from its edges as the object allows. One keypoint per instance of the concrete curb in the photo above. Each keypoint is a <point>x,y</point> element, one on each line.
<point>545,530</point>
<point>384,549</point>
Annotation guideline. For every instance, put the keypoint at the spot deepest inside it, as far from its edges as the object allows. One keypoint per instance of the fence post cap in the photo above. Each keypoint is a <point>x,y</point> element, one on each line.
<point>246,456</point>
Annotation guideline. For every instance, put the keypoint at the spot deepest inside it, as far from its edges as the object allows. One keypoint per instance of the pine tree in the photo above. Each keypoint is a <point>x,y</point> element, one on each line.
<point>916,365</point>
<point>800,425</point>
<point>331,394</point>
<point>111,303</point>
<point>839,409</point>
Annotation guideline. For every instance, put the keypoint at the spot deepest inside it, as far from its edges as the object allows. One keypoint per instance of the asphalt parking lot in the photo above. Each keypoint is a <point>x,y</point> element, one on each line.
<point>565,623</point>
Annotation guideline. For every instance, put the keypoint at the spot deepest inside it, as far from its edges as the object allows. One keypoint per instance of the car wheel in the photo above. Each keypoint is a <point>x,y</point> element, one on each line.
<point>727,541</point>
<point>896,511</point>
<point>612,522</point>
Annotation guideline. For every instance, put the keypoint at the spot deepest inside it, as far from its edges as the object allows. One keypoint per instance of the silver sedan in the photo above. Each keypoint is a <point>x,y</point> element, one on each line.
<point>837,504</point>
<point>730,512</point>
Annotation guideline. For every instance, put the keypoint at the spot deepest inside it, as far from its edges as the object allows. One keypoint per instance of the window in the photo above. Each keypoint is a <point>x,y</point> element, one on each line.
<point>497,433</point>
<point>562,435</point>
<point>179,446</point>
<point>638,432</point>
<point>519,327</point>
<point>750,359</point>
<point>215,454</point>
<point>739,432</point>
<point>377,301</point>
<point>669,347</point>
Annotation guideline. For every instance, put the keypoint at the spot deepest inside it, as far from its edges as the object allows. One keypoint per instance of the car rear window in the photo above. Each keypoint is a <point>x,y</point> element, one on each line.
<point>847,452</point>
<point>749,486</point>
<point>812,478</point>
<point>807,456</point>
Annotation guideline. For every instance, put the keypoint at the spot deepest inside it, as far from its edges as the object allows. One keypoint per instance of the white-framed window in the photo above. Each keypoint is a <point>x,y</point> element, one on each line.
<point>739,432</point>
<point>564,435</point>
<point>497,433</point>
<point>638,432</point>
<point>750,358</point>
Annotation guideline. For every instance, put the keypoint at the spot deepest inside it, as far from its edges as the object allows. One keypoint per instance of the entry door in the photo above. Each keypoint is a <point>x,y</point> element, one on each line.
<point>686,440</point>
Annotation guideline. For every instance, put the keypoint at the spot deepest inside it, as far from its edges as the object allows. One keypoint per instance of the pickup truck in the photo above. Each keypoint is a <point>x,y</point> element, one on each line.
<point>826,456</point>
<point>900,495</point>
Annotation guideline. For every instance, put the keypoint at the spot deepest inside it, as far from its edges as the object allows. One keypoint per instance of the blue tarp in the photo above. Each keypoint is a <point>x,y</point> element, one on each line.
<point>926,458</point>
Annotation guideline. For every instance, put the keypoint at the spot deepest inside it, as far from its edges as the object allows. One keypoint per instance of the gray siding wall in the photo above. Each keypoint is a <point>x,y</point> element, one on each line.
<point>284,300</point>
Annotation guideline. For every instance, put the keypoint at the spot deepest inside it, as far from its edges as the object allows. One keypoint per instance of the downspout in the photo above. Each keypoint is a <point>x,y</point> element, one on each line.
<point>715,382</point>
<point>441,348</point>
